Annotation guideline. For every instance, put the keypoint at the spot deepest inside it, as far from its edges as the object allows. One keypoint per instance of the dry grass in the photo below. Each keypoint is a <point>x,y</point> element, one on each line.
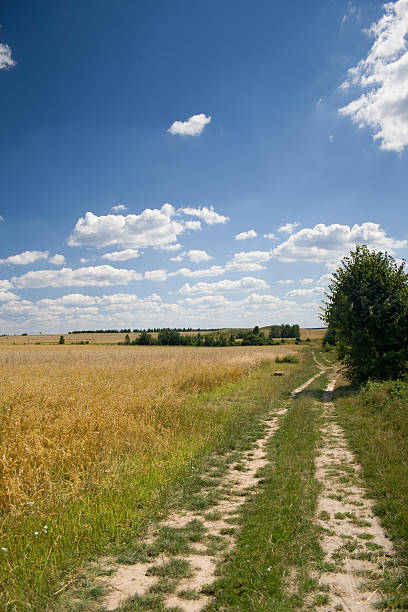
<point>70,414</point>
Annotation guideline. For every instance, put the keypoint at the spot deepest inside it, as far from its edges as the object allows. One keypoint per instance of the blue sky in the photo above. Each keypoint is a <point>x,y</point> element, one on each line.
<point>194,163</point>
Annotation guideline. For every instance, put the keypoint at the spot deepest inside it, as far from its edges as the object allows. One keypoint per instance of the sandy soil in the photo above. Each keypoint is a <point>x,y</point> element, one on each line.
<point>353,539</point>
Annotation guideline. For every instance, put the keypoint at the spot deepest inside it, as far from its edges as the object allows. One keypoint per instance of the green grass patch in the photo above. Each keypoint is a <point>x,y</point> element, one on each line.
<point>278,531</point>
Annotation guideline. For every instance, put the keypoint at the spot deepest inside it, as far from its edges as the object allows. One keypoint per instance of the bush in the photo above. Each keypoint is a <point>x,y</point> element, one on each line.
<point>287,359</point>
<point>377,396</point>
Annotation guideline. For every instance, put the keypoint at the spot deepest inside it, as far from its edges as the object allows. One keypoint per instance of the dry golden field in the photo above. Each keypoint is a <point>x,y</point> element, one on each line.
<point>70,413</point>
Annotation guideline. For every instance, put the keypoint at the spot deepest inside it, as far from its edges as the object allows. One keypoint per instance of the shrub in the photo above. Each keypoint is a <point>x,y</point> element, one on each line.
<point>287,359</point>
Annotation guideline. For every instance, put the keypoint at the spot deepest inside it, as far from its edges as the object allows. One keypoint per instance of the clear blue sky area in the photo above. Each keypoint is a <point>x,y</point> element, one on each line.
<point>233,113</point>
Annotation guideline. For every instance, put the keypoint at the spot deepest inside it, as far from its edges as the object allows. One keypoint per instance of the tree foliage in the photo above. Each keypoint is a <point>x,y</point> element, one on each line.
<point>367,310</point>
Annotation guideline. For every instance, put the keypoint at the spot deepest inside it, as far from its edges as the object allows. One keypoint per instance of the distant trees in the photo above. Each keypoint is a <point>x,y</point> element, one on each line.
<point>172,337</point>
<point>284,331</point>
<point>61,340</point>
<point>367,311</point>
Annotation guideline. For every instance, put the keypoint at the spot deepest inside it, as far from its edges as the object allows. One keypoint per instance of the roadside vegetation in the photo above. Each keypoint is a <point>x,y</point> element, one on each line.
<point>375,420</point>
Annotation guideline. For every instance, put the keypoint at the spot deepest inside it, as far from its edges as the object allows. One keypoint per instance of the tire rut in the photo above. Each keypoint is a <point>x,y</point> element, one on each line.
<point>208,537</point>
<point>354,542</point>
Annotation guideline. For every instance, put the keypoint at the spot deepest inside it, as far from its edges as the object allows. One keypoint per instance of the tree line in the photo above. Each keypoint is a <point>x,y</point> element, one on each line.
<point>254,337</point>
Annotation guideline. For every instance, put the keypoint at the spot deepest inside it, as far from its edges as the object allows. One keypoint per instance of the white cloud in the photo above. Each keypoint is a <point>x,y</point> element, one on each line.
<point>193,225</point>
<point>306,281</point>
<point>383,74</point>
<point>245,235</point>
<point>198,256</point>
<point>5,284</point>
<point>242,284</point>
<point>208,215</point>
<point>155,275</point>
<point>270,236</point>
<point>285,282</point>
<point>169,247</point>
<point>72,299</point>
<point>6,296</point>
<point>6,61</point>
<point>192,127</point>
<point>27,257</point>
<point>119,208</point>
<point>177,258</point>
<point>329,243</point>
<point>57,259</point>
<point>288,228</point>
<point>122,255</point>
<point>212,271</point>
<point>304,292</point>
<point>249,260</point>
<point>1,218</point>
<point>153,227</point>
<point>97,276</point>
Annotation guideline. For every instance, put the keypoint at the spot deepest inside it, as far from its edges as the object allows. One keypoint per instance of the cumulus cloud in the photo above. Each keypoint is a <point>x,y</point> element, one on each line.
<point>270,236</point>
<point>329,243</point>
<point>155,275</point>
<point>6,61</point>
<point>304,292</point>
<point>288,228</point>
<point>208,215</point>
<point>6,296</point>
<point>5,284</point>
<point>212,271</point>
<point>249,261</point>
<point>24,258</point>
<point>119,208</point>
<point>72,299</point>
<point>122,255</point>
<point>169,247</point>
<point>153,227</point>
<point>94,276</point>
<point>177,258</point>
<point>285,282</point>
<point>243,284</point>
<point>57,259</point>
<point>198,256</point>
<point>306,281</point>
<point>245,235</point>
<point>383,77</point>
<point>192,127</point>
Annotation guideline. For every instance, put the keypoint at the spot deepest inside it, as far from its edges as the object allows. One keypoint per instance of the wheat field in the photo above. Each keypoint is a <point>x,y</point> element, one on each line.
<point>70,414</point>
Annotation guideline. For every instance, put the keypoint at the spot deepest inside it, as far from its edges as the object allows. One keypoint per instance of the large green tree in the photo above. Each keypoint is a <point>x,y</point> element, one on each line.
<point>367,308</point>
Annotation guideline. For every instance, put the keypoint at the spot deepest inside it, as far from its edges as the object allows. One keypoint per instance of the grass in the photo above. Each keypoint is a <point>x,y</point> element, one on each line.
<point>278,531</point>
<point>99,441</point>
<point>376,423</point>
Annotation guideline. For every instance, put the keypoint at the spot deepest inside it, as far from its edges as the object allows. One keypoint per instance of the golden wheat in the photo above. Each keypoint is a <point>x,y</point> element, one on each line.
<point>69,413</point>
